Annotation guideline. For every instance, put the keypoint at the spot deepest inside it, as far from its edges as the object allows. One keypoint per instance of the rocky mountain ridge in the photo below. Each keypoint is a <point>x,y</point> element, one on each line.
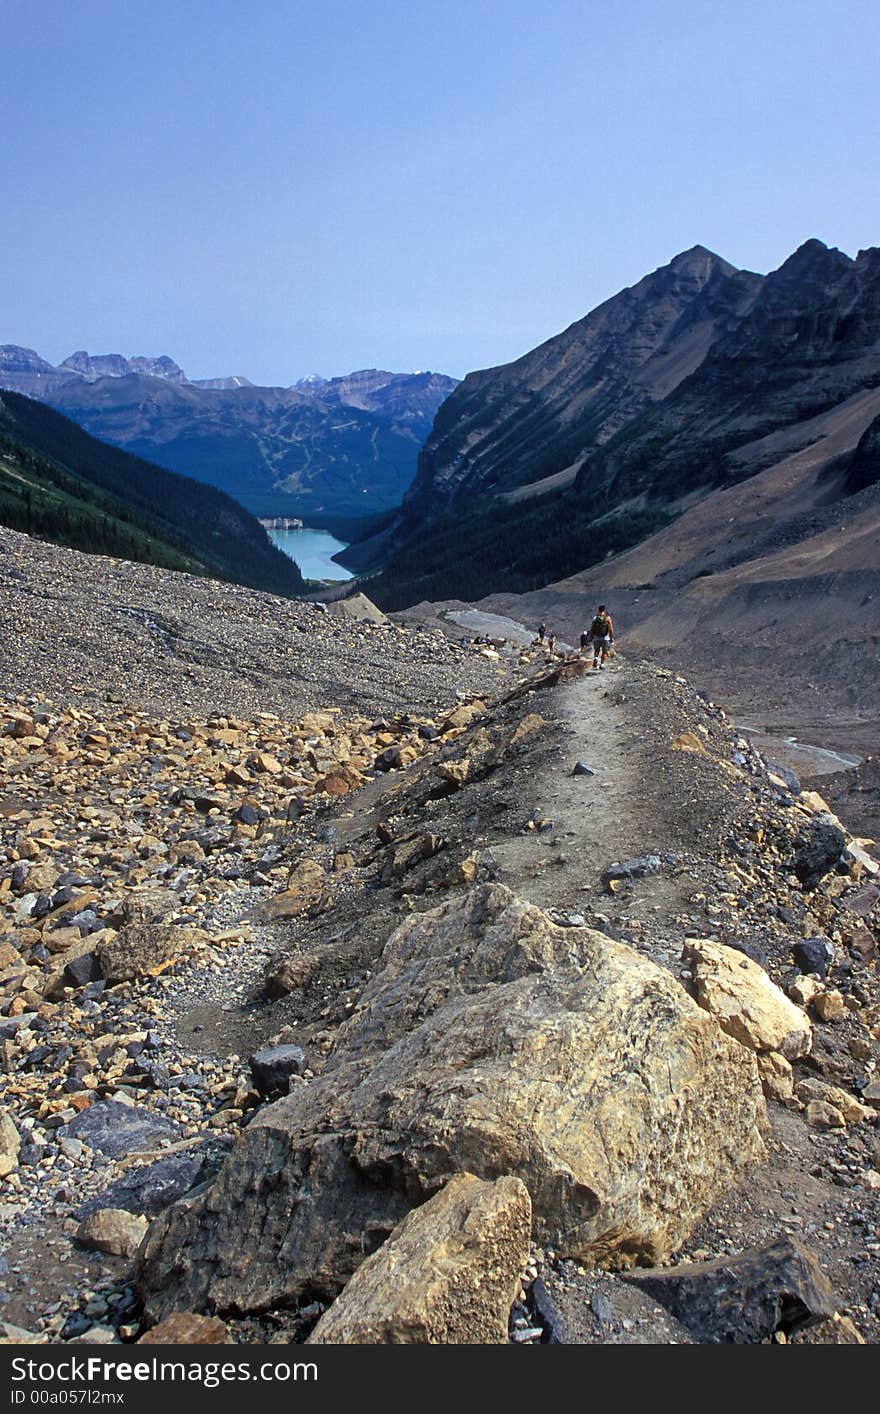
<point>542,974</point>
<point>693,382</point>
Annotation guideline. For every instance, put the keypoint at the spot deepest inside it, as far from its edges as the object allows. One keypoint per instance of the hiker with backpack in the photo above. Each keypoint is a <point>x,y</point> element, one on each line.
<point>601,635</point>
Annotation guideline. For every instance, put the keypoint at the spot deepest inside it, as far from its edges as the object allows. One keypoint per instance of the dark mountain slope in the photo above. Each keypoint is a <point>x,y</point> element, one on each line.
<point>538,419</point>
<point>787,364</point>
<point>864,468</point>
<point>206,526</point>
<point>39,499</point>
<point>811,340</point>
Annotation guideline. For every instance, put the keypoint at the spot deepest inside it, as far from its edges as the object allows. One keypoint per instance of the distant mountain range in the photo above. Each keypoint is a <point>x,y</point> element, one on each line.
<point>696,379</point>
<point>60,484</point>
<point>339,446</point>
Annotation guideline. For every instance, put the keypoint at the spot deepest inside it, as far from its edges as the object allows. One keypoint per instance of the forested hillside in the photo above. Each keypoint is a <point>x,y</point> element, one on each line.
<point>63,485</point>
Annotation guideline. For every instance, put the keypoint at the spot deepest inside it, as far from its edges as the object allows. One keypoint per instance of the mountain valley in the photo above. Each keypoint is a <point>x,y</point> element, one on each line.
<point>343,446</point>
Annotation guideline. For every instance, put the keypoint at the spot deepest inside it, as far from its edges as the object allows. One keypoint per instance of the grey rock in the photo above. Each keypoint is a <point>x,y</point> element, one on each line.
<point>633,868</point>
<point>545,1313</point>
<point>582,769</point>
<point>10,1025</point>
<point>391,759</point>
<point>116,1129</point>
<point>20,871</point>
<point>746,1299</point>
<point>273,1067</point>
<point>813,955</point>
<point>153,1187</point>
<point>82,969</point>
<point>784,774</point>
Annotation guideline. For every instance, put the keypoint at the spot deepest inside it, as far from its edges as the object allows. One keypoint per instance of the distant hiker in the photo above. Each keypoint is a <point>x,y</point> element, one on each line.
<point>551,644</point>
<point>585,641</point>
<point>542,629</point>
<point>601,635</point>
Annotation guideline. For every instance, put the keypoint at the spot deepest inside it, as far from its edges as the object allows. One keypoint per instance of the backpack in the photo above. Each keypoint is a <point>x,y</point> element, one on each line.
<point>601,626</point>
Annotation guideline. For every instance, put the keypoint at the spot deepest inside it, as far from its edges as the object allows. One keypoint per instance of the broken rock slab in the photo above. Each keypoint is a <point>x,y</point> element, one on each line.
<point>493,1042</point>
<point>448,1275</point>
<point>746,1299</point>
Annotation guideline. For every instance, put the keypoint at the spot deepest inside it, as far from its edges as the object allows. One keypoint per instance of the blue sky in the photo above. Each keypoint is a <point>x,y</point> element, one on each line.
<point>280,188</point>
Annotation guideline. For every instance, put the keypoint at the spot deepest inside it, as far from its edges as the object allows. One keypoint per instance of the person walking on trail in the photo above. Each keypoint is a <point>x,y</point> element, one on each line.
<point>601,635</point>
<point>585,641</point>
<point>542,629</point>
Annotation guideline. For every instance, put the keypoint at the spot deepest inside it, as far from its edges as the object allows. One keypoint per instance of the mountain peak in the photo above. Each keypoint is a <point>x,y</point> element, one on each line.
<point>814,255</point>
<point>700,260</point>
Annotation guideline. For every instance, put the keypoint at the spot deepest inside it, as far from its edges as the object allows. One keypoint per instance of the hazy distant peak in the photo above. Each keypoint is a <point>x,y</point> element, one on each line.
<point>235,380</point>
<point>113,365</point>
<point>16,359</point>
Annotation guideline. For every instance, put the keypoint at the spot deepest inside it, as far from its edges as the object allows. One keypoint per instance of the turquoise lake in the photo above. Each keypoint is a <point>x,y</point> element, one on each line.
<point>312,550</point>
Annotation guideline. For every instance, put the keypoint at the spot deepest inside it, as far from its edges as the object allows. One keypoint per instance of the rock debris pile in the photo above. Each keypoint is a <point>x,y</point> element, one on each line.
<point>293,1001</point>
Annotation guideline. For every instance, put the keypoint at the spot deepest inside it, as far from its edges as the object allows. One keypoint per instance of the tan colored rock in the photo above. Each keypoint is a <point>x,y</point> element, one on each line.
<point>306,888</point>
<point>455,772</point>
<point>112,1230</point>
<point>747,1005</point>
<point>463,716</point>
<point>448,1275</point>
<point>340,782</point>
<point>805,989</point>
<point>814,1089</point>
<point>139,950</point>
<point>814,803</point>
<point>777,1076</point>
<point>531,723</point>
<point>821,1115</point>
<point>237,776</point>
<point>488,1041</point>
<point>149,905</point>
<point>358,608</point>
<point>9,956</point>
<point>689,741</point>
<point>270,765</point>
<point>318,723</point>
<point>829,1005</point>
<point>187,1328</point>
<point>288,976</point>
<point>10,1144</point>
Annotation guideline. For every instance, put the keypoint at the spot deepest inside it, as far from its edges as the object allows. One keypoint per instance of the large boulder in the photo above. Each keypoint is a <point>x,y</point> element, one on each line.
<point>492,1042</point>
<point>448,1275</point>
